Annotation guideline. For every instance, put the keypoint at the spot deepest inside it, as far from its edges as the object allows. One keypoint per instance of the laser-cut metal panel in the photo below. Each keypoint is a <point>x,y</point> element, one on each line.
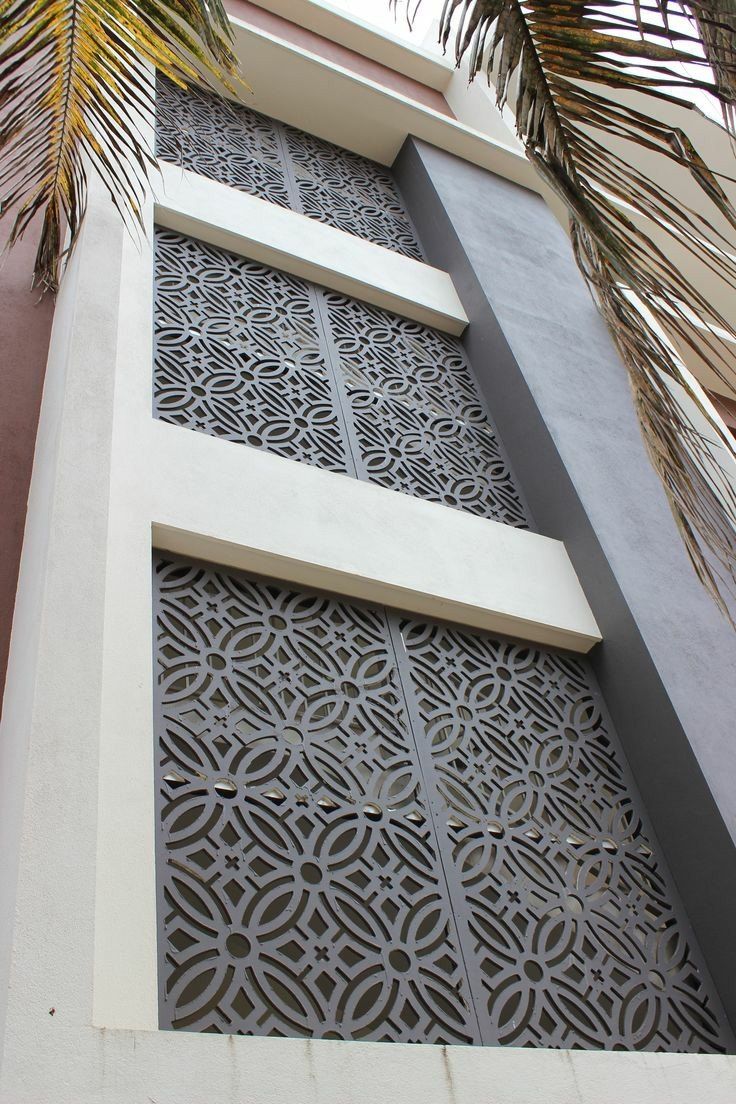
<point>221,140</point>
<point>347,191</point>
<point>415,414</point>
<point>568,925</point>
<point>300,892</point>
<point>239,354</point>
<point>332,776</point>
<point>235,145</point>
<point>259,357</point>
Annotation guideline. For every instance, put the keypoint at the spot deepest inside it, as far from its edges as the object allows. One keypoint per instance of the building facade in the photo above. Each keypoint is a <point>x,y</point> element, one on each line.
<point>365,729</point>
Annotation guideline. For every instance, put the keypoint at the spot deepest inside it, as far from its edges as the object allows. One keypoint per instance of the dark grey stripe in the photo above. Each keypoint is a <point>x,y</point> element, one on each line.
<point>562,405</point>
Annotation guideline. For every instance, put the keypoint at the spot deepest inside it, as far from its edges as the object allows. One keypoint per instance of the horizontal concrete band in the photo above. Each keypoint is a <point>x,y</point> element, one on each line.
<point>339,25</point>
<point>260,230</point>
<point>245,508</point>
<point>182,1066</point>
<point>358,113</point>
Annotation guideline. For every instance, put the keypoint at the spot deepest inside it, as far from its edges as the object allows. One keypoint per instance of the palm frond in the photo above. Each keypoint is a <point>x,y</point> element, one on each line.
<point>72,81</point>
<point>716,23</point>
<point>591,84</point>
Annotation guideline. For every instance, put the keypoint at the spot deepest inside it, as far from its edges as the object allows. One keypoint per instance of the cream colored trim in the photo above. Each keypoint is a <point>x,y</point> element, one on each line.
<point>118,473</point>
<point>409,58</point>
<point>284,239</point>
<point>210,497</point>
<point>249,509</point>
<point>352,111</point>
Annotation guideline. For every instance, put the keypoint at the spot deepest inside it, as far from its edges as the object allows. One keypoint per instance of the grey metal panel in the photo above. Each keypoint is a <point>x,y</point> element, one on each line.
<point>416,418</point>
<point>266,359</point>
<point>239,354</point>
<point>221,140</point>
<point>344,190</point>
<point>235,145</point>
<point>300,891</point>
<point>376,827</point>
<point>570,927</point>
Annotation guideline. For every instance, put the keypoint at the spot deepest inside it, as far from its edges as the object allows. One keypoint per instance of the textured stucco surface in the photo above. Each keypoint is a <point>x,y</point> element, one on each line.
<point>25,326</point>
<point>560,397</point>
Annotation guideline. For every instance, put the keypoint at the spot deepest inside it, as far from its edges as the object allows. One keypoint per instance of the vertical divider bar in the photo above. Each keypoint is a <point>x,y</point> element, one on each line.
<point>339,399</point>
<point>455,891</point>
<point>291,184</point>
<point>161,857</point>
<point>343,399</point>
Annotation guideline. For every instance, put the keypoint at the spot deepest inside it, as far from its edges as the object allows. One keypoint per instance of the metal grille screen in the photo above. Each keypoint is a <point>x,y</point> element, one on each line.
<point>272,361</point>
<point>237,146</point>
<point>374,827</point>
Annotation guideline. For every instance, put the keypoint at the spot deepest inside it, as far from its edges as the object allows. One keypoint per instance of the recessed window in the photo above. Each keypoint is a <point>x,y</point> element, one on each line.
<point>235,145</point>
<point>257,356</point>
<point>373,826</point>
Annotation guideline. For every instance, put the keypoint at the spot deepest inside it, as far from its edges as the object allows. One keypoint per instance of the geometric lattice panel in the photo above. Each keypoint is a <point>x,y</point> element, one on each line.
<point>239,354</point>
<point>301,891</point>
<point>569,928</point>
<point>266,359</point>
<point>235,145</point>
<point>347,191</point>
<point>416,413</point>
<point>374,827</point>
<point>221,140</point>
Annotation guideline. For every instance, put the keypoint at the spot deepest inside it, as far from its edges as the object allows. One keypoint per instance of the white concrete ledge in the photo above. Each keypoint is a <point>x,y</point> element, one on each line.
<point>407,57</point>
<point>225,216</point>
<point>326,99</point>
<point>245,508</point>
<point>183,1067</point>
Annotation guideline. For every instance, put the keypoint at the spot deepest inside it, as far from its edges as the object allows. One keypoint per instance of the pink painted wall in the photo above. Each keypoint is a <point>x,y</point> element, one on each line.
<point>341,55</point>
<point>25,328</point>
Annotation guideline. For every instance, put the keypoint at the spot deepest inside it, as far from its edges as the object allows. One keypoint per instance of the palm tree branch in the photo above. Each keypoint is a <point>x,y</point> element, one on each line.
<point>74,89</point>
<point>551,61</point>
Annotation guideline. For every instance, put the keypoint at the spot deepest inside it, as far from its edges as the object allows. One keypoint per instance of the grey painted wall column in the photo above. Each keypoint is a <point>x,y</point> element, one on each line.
<point>559,395</point>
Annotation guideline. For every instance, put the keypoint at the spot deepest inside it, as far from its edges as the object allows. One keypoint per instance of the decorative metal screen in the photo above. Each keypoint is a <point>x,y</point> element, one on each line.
<point>374,827</point>
<point>253,355</point>
<point>416,418</point>
<point>231,143</point>
<point>345,190</point>
<point>240,354</point>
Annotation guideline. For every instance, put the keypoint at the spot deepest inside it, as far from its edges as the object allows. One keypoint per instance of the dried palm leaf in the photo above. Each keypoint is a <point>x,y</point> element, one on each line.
<point>589,83</point>
<point>716,23</point>
<point>71,84</point>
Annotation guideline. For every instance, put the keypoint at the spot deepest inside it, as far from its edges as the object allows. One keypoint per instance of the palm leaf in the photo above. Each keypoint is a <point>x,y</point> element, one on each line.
<point>588,82</point>
<point>74,92</point>
<point>716,23</point>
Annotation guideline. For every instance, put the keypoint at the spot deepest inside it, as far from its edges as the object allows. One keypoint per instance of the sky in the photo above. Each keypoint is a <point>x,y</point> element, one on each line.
<point>377,11</point>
